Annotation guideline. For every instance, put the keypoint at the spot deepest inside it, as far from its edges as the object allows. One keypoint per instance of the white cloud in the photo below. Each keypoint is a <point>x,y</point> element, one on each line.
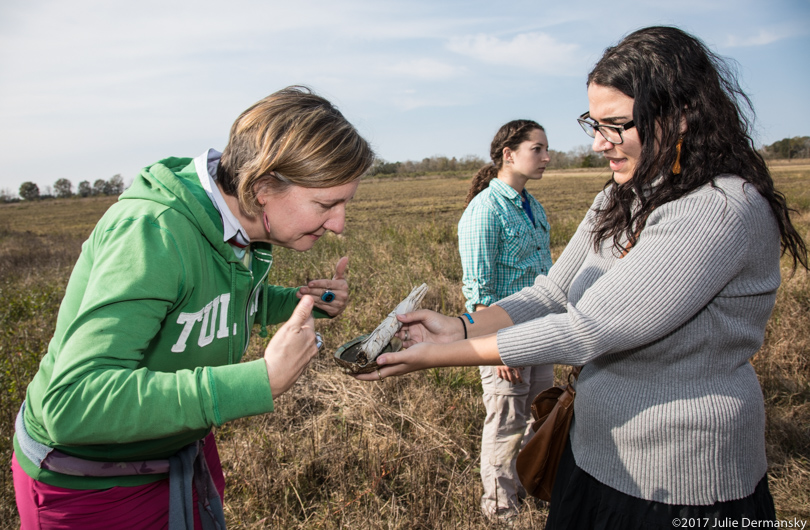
<point>797,27</point>
<point>426,68</point>
<point>761,39</point>
<point>133,81</point>
<point>408,99</point>
<point>536,52</point>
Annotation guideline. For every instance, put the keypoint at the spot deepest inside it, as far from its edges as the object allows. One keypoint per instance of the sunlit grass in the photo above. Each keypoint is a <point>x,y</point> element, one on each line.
<point>402,453</point>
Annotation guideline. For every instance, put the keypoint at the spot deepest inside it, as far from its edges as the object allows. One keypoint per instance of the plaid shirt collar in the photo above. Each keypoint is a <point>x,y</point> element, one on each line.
<point>508,192</point>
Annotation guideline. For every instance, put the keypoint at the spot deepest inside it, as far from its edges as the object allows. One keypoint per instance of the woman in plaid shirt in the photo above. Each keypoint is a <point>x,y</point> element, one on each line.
<point>504,245</point>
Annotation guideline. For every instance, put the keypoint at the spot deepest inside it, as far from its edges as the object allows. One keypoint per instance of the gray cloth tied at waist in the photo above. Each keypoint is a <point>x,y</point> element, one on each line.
<point>184,468</point>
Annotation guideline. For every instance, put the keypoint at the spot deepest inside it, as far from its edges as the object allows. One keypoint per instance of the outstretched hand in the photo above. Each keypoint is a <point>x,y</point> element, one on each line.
<point>428,326</point>
<point>417,357</point>
<point>337,286</point>
<point>443,347</point>
<point>292,348</point>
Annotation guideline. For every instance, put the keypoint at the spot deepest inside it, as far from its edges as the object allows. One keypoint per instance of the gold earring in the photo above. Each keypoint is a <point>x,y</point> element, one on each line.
<point>676,167</point>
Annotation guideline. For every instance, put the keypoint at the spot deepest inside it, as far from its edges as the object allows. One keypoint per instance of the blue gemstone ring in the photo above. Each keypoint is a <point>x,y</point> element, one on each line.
<point>328,296</point>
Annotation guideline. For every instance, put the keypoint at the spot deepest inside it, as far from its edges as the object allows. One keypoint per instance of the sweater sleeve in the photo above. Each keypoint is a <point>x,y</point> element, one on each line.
<point>98,391</point>
<point>549,294</point>
<point>687,253</point>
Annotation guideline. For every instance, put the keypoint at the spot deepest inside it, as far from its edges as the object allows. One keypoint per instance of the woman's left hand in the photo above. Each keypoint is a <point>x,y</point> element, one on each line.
<point>417,357</point>
<point>473,352</point>
<point>337,286</point>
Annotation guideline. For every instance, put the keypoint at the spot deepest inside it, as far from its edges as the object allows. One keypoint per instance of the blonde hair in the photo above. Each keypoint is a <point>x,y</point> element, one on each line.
<point>291,137</point>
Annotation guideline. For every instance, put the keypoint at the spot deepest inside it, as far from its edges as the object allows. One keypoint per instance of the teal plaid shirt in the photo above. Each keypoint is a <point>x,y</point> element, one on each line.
<point>501,252</point>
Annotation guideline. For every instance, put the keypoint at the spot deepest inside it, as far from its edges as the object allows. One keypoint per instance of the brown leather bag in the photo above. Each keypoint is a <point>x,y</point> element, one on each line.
<point>537,463</point>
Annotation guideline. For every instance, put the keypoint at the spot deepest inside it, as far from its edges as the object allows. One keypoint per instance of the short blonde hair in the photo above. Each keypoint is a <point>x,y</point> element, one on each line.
<point>291,137</point>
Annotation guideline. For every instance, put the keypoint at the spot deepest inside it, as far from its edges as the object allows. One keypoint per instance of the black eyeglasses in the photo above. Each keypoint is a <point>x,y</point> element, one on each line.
<point>611,133</point>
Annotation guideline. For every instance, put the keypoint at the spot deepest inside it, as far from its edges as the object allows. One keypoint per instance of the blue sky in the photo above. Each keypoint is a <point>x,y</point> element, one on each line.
<point>91,88</point>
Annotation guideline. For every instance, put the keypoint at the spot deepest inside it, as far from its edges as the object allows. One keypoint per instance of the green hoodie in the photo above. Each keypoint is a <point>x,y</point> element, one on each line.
<point>155,319</point>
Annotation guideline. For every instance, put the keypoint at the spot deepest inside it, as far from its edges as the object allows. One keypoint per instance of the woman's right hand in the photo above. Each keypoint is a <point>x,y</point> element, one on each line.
<point>292,348</point>
<point>428,326</point>
<point>510,374</point>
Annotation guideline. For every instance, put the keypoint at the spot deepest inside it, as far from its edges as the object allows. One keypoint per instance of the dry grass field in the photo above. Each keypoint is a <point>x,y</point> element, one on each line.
<point>402,453</point>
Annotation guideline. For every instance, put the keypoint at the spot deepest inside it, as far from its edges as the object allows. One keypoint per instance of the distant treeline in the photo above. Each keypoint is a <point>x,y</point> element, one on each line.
<point>577,158</point>
<point>790,148</point>
<point>581,157</point>
<point>63,189</point>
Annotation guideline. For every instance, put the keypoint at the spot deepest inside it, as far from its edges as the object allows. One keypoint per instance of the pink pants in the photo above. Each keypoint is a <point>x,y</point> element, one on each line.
<point>146,507</point>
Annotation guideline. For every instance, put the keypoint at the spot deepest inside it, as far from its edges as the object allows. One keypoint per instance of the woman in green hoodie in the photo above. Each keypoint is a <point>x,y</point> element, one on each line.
<point>157,315</point>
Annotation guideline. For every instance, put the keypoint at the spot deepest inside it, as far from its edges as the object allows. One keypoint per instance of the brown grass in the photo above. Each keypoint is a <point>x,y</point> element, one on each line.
<point>403,453</point>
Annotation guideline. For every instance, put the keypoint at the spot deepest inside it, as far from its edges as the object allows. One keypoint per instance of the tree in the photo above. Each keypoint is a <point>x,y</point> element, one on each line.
<point>85,189</point>
<point>472,163</point>
<point>593,160</point>
<point>29,191</point>
<point>381,167</point>
<point>6,195</point>
<point>796,147</point>
<point>115,186</point>
<point>63,188</point>
<point>558,159</point>
<point>99,186</point>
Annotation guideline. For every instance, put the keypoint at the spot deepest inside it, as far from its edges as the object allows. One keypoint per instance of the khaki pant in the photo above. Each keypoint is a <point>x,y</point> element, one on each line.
<point>507,428</point>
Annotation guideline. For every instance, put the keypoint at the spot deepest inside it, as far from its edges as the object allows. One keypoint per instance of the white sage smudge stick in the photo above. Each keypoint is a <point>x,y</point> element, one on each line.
<point>382,335</point>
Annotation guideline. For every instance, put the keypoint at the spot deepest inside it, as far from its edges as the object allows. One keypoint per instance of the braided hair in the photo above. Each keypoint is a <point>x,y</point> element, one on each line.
<point>510,135</point>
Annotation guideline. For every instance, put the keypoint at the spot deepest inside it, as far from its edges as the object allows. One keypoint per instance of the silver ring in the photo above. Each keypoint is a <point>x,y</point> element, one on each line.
<point>379,374</point>
<point>407,335</point>
<point>318,340</point>
<point>328,296</point>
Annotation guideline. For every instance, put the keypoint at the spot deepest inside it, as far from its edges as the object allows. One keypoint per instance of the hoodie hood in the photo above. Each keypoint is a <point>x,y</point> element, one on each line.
<point>173,183</point>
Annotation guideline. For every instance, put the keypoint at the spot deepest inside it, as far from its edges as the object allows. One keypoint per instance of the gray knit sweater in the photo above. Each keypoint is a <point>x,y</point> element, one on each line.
<point>668,406</point>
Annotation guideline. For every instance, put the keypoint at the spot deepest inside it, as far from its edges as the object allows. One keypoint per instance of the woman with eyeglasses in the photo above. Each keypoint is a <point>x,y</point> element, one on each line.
<point>662,296</point>
<point>116,428</point>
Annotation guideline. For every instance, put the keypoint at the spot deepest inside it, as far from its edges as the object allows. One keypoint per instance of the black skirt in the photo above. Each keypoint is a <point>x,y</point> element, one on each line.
<point>579,501</point>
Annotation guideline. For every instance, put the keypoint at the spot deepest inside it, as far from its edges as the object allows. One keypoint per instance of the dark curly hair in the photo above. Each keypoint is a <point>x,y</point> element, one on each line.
<point>674,78</point>
<point>510,135</point>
